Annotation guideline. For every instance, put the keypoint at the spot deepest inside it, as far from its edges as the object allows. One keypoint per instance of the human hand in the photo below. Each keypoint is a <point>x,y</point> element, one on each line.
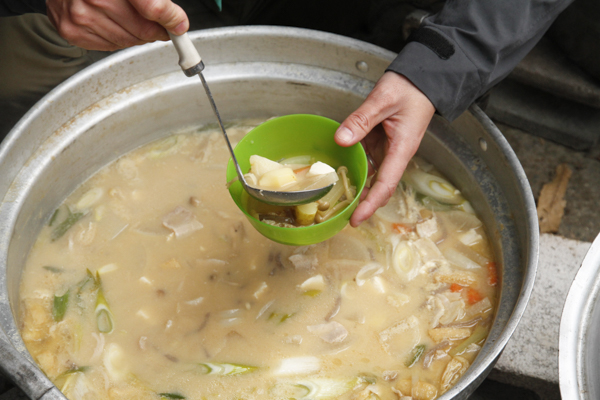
<point>115,24</point>
<point>390,123</point>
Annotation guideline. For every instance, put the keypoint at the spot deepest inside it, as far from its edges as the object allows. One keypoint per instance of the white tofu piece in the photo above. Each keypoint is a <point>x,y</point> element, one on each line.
<point>319,168</point>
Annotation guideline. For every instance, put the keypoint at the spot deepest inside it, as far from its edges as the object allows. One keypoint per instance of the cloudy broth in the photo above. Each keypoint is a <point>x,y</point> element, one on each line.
<point>149,283</point>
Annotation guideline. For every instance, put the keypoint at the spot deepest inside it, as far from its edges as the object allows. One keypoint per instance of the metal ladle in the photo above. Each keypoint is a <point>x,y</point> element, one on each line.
<point>191,64</point>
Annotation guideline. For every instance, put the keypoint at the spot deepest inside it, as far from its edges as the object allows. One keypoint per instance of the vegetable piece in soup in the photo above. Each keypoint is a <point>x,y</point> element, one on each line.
<point>150,283</point>
<point>335,201</point>
<point>291,174</point>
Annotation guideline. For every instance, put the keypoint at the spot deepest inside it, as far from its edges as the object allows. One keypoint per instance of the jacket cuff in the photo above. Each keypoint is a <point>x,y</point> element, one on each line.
<point>442,72</point>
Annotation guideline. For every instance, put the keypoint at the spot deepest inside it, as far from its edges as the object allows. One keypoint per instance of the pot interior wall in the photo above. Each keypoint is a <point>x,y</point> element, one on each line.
<point>149,109</point>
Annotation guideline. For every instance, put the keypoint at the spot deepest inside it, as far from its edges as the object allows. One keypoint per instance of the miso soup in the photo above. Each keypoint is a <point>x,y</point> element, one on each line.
<point>149,283</point>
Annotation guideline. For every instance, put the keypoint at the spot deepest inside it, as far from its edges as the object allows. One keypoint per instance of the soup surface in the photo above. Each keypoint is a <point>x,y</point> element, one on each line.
<point>149,283</point>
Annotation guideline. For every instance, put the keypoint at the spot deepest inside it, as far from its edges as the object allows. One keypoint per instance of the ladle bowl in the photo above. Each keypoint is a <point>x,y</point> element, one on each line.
<point>294,135</point>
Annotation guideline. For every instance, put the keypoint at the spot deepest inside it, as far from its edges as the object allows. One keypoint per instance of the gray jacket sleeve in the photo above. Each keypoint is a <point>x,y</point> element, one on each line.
<point>470,45</point>
<point>9,8</point>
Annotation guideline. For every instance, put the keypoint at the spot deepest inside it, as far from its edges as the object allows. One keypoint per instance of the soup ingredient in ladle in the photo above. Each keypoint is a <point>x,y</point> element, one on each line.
<point>191,64</point>
<point>289,176</point>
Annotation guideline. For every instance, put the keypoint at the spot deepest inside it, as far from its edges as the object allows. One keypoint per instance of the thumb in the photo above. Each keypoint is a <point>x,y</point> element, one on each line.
<point>359,124</point>
<point>165,12</point>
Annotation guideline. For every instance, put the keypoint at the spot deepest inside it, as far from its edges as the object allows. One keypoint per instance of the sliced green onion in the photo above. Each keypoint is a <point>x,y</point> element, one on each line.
<point>104,317</point>
<point>370,379</point>
<point>59,307</point>
<point>64,226</point>
<point>66,378</point>
<point>279,318</point>
<point>433,186</point>
<point>88,278</point>
<point>226,369</point>
<point>316,389</point>
<point>171,396</point>
<point>479,333</point>
<point>73,370</point>
<point>414,355</point>
<point>433,205</point>
<point>53,217</point>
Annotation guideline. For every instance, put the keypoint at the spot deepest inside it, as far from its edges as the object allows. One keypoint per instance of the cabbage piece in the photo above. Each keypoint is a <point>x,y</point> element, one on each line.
<point>298,366</point>
<point>459,259</point>
<point>428,250</point>
<point>344,246</point>
<point>331,332</point>
<point>315,389</point>
<point>114,361</point>
<point>470,238</point>
<point>462,221</point>
<point>182,222</point>
<point>367,272</point>
<point>313,283</point>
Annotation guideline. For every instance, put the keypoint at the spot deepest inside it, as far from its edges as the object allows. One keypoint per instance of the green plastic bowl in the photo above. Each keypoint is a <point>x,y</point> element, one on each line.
<point>294,135</point>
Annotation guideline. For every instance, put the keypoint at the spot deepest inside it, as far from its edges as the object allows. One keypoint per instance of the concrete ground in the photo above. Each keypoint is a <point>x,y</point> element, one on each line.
<point>540,158</point>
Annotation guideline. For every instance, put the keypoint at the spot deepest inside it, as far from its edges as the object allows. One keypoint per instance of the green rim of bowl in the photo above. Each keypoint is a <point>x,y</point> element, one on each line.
<point>304,134</point>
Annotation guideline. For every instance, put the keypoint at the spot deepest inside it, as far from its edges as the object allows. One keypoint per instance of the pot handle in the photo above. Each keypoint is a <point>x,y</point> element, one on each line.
<point>189,59</point>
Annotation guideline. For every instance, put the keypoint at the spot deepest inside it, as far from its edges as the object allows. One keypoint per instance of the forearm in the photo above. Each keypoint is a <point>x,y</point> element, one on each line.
<point>470,46</point>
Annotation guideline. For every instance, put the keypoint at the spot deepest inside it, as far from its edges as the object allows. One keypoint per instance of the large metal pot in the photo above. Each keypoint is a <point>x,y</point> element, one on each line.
<point>579,342</point>
<point>140,94</point>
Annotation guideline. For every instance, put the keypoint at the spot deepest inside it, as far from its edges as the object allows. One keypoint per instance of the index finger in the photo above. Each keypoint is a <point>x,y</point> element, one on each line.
<point>387,179</point>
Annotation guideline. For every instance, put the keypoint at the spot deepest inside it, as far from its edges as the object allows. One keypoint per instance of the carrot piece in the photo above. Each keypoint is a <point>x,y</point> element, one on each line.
<point>492,273</point>
<point>455,287</point>
<point>297,171</point>
<point>402,228</point>
<point>473,296</point>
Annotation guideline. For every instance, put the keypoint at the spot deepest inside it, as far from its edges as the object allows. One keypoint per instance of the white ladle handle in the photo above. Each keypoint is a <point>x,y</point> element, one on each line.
<point>189,59</point>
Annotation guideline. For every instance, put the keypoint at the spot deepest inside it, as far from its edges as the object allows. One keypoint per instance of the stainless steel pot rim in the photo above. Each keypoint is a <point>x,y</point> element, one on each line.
<point>511,161</point>
<point>576,327</point>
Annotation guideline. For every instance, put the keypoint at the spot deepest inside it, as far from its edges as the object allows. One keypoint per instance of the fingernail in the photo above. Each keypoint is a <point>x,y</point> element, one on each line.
<point>344,134</point>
